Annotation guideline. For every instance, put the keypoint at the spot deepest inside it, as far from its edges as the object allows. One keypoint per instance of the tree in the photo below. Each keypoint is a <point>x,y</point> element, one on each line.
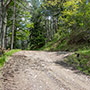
<point>4,8</point>
<point>21,28</point>
<point>13,27</point>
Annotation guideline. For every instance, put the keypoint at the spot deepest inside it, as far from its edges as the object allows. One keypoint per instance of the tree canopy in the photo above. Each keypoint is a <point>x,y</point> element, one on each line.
<point>33,24</point>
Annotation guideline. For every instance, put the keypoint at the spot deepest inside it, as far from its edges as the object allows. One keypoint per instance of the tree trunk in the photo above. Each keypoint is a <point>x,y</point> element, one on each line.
<point>4,7</point>
<point>13,27</point>
<point>15,39</point>
<point>56,26</point>
<point>46,32</point>
<point>51,30</point>
<point>3,27</point>
<point>6,38</point>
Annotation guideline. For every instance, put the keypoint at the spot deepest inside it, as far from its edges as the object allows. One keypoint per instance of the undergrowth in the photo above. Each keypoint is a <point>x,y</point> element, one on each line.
<point>5,56</point>
<point>82,62</point>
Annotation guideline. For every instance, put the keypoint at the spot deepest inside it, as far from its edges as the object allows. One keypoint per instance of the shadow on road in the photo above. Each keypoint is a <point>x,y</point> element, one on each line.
<point>65,65</point>
<point>62,52</point>
<point>68,66</point>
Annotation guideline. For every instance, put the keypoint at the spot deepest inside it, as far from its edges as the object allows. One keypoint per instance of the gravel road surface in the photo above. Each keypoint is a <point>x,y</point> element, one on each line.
<point>40,70</point>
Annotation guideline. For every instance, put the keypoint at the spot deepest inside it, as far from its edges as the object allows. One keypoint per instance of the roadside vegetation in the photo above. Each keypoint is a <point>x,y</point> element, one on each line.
<point>5,56</point>
<point>80,60</point>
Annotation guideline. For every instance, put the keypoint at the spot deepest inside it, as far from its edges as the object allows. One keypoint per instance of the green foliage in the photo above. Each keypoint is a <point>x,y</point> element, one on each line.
<point>82,62</point>
<point>9,53</point>
<point>74,28</point>
<point>37,37</point>
<point>22,24</point>
<point>4,57</point>
<point>31,27</point>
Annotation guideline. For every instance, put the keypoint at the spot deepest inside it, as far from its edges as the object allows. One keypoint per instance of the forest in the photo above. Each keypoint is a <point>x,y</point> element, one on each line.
<point>45,24</point>
<point>44,44</point>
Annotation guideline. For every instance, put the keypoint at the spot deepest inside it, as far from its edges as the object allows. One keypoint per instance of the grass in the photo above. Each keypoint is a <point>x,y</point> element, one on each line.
<point>82,62</point>
<point>4,57</point>
<point>64,46</point>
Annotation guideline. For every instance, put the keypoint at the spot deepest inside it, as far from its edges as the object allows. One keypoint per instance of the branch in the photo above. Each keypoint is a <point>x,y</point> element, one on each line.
<point>8,3</point>
<point>2,3</point>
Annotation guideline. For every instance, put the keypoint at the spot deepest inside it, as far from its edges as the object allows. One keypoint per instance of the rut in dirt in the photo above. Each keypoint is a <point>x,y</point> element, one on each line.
<point>39,70</point>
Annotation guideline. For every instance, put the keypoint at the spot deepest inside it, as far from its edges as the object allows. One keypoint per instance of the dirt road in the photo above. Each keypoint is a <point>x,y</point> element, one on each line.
<point>39,70</point>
